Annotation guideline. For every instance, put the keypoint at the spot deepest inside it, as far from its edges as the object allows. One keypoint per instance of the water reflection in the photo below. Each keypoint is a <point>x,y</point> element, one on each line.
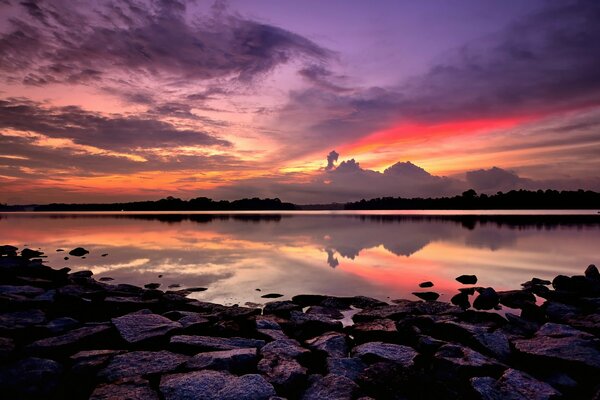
<point>373,255</point>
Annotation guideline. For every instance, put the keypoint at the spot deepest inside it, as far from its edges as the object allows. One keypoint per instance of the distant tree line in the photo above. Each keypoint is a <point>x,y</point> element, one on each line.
<point>470,200</point>
<point>167,204</point>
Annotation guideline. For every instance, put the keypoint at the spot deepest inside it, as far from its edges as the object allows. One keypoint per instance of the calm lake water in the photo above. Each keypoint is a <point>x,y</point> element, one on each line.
<point>378,254</point>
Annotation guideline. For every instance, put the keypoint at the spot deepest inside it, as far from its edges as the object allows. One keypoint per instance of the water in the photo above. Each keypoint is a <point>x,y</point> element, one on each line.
<point>379,254</point>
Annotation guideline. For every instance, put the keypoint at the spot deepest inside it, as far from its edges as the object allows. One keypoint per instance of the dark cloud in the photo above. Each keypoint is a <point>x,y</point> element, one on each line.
<point>111,132</point>
<point>495,179</point>
<point>82,43</point>
<point>332,158</point>
<point>323,78</point>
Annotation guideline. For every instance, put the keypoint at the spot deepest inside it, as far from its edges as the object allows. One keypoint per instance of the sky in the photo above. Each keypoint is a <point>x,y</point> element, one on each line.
<point>308,101</point>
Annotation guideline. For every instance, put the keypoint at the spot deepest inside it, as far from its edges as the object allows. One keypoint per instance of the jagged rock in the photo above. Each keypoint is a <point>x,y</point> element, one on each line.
<point>238,360</point>
<point>281,308</point>
<point>494,343</point>
<point>12,321</point>
<point>130,389</point>
<point>309,325</point>
<point>351,367</point>
<point>461,299</point>
<point>144,326</point>
<point>513,384</point>
<point>427,296</point>
<point>90,336</point>
<point>561,345</point>
<point>383,330</point>
<point>30,378</point>
<point>196,344</point>
<point>88,362</point>
<point>286,374</point>
<point>138,363</point>
<point>467,279</point>
<point>522,326</point>
<point>426,284</point>
<point>516,298</point>
<point>451,359</point>
<point>215,385</point>
<point>334,344</point>
<point>78,252</point>
<point>330,387</point>
<point>487,299</point>
<point>284,348</point>
<point>592,272</point>
<point>377,351</point>
<point>329,312</point>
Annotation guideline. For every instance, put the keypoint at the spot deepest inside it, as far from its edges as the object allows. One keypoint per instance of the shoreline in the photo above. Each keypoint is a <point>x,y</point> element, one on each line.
<point>68,335</point>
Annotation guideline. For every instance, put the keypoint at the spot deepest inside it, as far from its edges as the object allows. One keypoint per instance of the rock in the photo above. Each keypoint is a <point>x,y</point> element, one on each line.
<point>271,296</point>
<point>331,387</point>
<point>351,368</point>
<point>461,299</point>
<point>8,250</point>
<point>480,337</point>
<point>194,322</point>
<point>467,279</point>
<point>383,330</point>
<point>195,289</point>
<point>426,284</point>
<point>76,339</point>
<point>591,272</point>
<point>513,384</point>
<point>152,285</point>
<point>174,285</point>
<point>281,308</point>
<point>138,363</point>
<point>144,326</point>
<point>468,291</point>
<point>428,345</point>
<point>238,360</point>
<point>334,344</point>
<point>60,325</point>
<point>305,300</point>
<point>329,312</point>
<point>215,385</point>
<point>516,298</point>
<point>30,378</point>
<point>29,253</point>
<point>378,351</point>
<point>365,302</point>
<point>284,348</point>
<point>7,346</point>
<point>427,296</point>
<point>522,326</point>
<point>88,362</point>
<point>305,326</point>
<point>106,279</point>
<point>11,321</point>
<point>81,274</point>
<point>131,389</point>
<point>103,254</point>
<point>452,360</point>
<point>23,290</point>
<point>538,281</point>
<point>78,252</point>
<point>487,299</point>
<point>562,346</point>
<point>208,343</point>
<point>286,374</point>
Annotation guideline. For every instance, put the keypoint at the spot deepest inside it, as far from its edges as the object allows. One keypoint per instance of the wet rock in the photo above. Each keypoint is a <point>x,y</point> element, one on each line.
<point>271,296</point>
<point>365,302</point>
<point>487,299</point>
<point>91,336</point>
<point>516,298</point>
<point>538,281</point>
<point>208,343</point>
<point>451,360</point>
<point>383,330</point>
<point>513,384</point>
<point>144,326</point>
<point>331,387</point>
<point>350,367</point>
<point>285,374</point>
<point>467,279</point>
<point>305,326</point>
<point>138,363</point>
<point>238,360</point>
<point>281,308</point>
<point>29,253</point>
<point>426,284</point>
<point>305,300</point>
<point>591,272</point>
<point>284,348</point>
<point>561,345</point>
<point>152,285</point>
<point>16,320</point>
<point>329,312</point>
<point>78,252</point>
<point>334,344</point>
<point>30,378</point>
<point>461,299</point>
<point>468,291</point>
<point>378,351</point>
<point>130,389</point>
<point>215,385</point>
<point>427,296</point>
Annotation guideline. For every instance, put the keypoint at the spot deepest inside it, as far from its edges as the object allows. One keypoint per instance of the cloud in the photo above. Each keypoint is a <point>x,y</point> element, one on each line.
<point>496,179</point>
<point>332,158</point>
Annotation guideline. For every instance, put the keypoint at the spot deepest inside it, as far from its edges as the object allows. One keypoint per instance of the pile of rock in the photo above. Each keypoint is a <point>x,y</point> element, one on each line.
<point>66,335</point>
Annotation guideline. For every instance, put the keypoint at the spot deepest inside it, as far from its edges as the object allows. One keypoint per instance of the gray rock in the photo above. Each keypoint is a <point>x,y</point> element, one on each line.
<point>209,343</point>
<point>88,362</point>
<point>331,387</point>
<point>16,320</point>
<point>130,389</point>
<point>139,363</point>
<point>284,348</point>
<point>286,374</point>
<point>215,385</point>
<point>350,367</point>
<point>329,312</point>
<point>562,345</point>
<point>30,378</point>
<point>310,325</point>
<point>238,360</point>
<point>383,330</point>
<point>143,326</point>
<point>454,359</point>
<point>379,351</point>
<point>513,385</point>
<point>281,308</point>
<point>92,336</point>
<point>334,344</point>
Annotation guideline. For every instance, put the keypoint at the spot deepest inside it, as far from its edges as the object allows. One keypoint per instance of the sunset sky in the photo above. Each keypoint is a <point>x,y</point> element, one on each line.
<point>308,101</point>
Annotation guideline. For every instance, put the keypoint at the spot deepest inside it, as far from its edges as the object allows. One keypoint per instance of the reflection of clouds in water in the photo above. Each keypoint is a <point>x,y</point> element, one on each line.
<point>331,259</point>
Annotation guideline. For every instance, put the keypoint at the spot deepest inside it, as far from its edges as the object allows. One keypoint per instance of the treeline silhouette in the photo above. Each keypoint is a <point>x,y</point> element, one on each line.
<point>167,204</point>
<point>470,200</point>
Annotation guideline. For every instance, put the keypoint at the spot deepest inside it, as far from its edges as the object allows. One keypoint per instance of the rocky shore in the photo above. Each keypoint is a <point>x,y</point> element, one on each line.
<point>66,335</point>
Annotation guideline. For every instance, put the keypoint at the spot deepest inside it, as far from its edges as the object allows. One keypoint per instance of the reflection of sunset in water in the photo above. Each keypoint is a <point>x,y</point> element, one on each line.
<point>332,254</point>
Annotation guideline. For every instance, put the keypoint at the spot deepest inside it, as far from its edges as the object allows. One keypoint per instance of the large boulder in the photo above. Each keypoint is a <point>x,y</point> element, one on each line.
<point>287,348</point>
<point>351,367</point>
<point>379,351</point>
<point>333,344</point>
<point>457,361</point>
<point>237,360</point>
<point>284,373</point>
<point>488,299</point>
<point>514,385</point>
<point>143,326</point>
<point>281,308</point>
<point>330,387</point>
<point>140,363</point>
<point>383,330</point>
<point>86,337</point>
<point>215,385</point>
<point>304,326</point>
